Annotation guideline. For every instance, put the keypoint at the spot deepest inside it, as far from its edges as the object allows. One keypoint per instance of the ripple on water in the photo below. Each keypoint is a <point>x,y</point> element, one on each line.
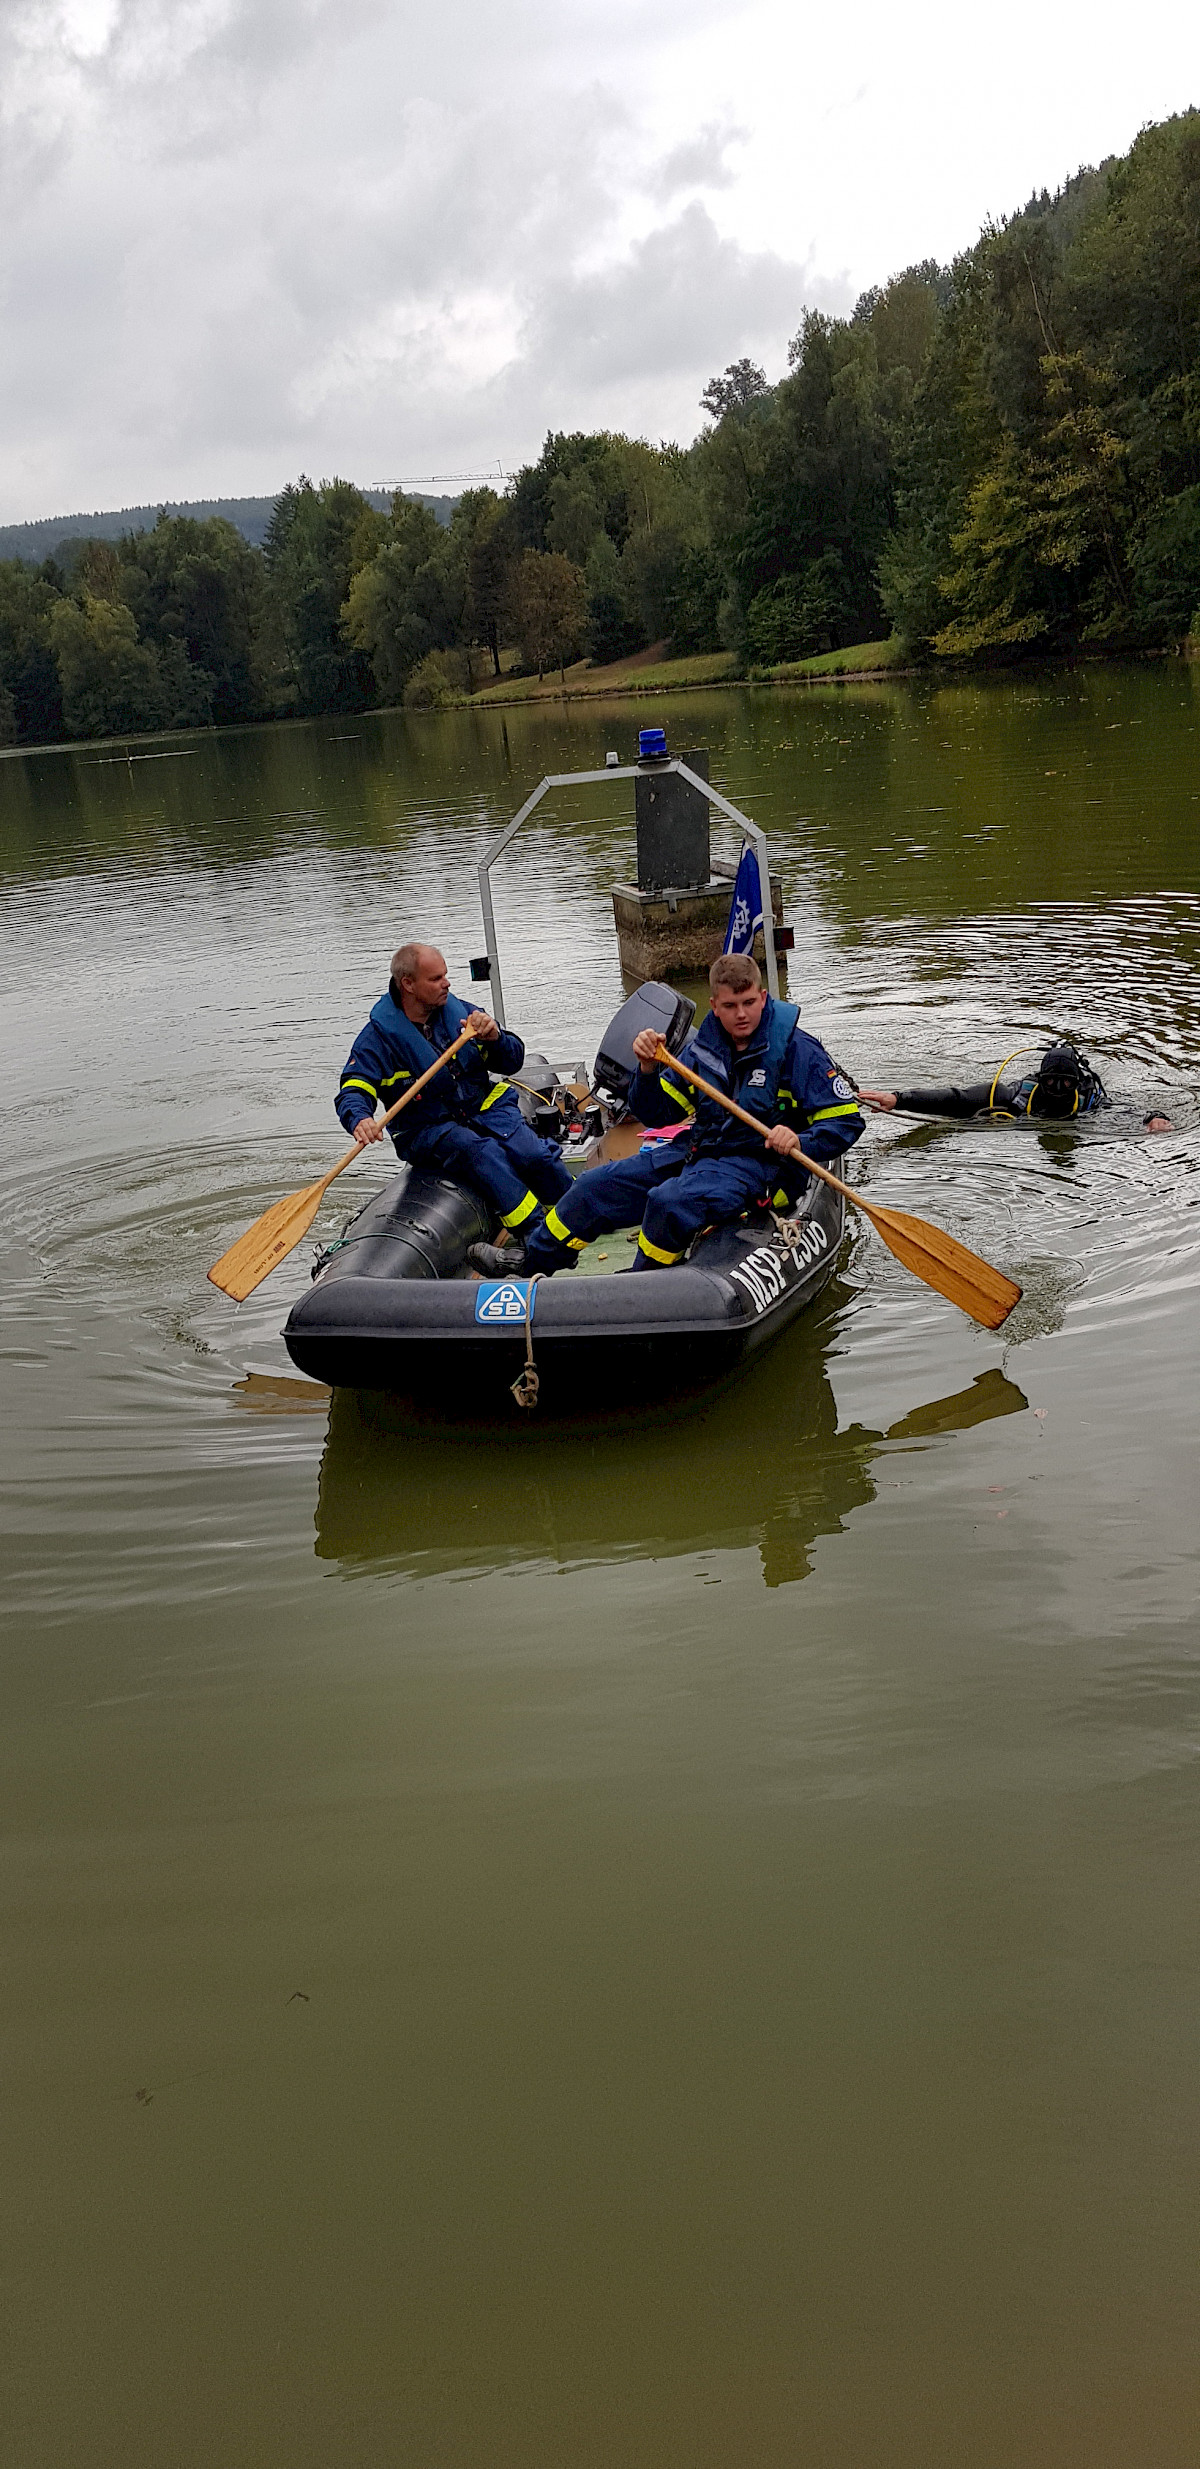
<point>125,1371</point>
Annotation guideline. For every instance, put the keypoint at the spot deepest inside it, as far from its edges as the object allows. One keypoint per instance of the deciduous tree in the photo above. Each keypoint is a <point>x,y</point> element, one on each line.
<point>549,610</point>
<point>318,539</point>
<point>28,666</point>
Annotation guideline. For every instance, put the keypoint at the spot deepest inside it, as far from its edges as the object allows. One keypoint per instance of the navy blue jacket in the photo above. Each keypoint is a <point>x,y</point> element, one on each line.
<point>782,1076</point>
<point>392,1051</point>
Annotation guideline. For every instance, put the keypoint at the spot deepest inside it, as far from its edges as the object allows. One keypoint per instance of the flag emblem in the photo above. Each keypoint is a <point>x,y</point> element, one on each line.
<point>746,909</point>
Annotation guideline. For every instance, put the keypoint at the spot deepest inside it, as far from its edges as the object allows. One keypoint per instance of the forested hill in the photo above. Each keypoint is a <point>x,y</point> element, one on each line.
<point>250,516</point>
<point>994,460</point>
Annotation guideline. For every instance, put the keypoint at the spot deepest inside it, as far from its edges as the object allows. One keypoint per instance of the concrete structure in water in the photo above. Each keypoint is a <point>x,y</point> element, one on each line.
<point>672,922</point>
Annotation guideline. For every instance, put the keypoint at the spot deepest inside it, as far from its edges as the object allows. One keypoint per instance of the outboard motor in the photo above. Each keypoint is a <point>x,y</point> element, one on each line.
<point>653,1006</point>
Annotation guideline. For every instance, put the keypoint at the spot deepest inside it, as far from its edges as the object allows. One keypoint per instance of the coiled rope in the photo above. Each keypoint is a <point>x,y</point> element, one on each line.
<point>526,1385</point>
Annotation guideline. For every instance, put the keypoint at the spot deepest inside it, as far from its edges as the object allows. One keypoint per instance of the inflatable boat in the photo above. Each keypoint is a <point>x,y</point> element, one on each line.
<point>394,1304</point>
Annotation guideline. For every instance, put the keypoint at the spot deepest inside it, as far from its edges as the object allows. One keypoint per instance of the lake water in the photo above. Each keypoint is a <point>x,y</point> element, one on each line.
<point>467,2001</point>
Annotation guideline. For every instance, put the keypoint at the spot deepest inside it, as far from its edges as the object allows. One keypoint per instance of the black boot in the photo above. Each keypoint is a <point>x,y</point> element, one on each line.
<point>498,1259</point>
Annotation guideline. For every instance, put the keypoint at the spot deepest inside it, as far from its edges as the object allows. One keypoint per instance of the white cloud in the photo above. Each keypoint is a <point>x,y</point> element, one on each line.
<point>242,237</point>
<point>698,163</point>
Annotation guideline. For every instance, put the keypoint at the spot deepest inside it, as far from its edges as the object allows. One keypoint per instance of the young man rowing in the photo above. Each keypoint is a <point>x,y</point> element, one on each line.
<point>752,1048</point>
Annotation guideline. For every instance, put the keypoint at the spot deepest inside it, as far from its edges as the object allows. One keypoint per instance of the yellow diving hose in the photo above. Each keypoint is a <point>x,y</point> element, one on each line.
<point>1011,1058</point>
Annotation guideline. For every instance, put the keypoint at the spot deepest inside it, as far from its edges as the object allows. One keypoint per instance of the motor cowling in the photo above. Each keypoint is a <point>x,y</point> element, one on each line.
<point>652,1006</point>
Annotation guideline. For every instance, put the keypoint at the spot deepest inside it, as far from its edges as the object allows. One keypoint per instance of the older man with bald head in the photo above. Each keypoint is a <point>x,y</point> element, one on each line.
<point>466,1123</point>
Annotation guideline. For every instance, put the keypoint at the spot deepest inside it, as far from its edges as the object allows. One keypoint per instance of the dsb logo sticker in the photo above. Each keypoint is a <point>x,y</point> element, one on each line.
<point>506,1302</point>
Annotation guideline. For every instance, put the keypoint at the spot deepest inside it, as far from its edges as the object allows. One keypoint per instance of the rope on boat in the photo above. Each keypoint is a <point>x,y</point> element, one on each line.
<point>525,1387</point>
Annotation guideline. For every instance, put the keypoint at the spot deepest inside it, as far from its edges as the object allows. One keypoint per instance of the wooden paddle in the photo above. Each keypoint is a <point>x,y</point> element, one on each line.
<point>279,1230</point>
<point>978,1289</point>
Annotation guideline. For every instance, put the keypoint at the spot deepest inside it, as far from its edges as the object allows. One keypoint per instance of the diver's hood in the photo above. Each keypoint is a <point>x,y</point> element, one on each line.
<point>1064,1083</point>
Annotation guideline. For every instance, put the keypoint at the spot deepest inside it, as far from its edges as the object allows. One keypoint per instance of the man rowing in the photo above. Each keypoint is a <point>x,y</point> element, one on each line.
<point>751,1047</point>
<point>465,1123</point>
<point>1063,1086</point>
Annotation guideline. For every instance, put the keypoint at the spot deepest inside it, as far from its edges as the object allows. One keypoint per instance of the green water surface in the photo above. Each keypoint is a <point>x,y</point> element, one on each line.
<point>470,2000</point>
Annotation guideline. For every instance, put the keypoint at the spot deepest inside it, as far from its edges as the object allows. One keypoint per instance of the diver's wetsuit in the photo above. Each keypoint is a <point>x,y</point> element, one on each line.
<point>1063,1088</point>
<point>1008,1098</point>
<point>1010,1102</point>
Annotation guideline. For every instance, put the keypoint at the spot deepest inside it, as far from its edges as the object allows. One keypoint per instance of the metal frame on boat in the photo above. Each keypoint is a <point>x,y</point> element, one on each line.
<point>621,771</point>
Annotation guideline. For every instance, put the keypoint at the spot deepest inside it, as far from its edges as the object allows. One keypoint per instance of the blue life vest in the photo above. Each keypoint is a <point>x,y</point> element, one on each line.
<point>391,1052</point>
<point>463,1086</point>
<point>751,1078</point>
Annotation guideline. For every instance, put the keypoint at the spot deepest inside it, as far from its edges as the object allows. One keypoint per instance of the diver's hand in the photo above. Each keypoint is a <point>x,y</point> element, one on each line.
<point>645,1046</point>
<point>481,1024</point>
<point>784,1141</point>
<point>883,1098</point>
<point>367,1131</point>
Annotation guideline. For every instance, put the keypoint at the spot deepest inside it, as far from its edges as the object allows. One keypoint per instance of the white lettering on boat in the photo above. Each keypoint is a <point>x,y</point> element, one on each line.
<point>805,1240</point>
<point>763,1274</point>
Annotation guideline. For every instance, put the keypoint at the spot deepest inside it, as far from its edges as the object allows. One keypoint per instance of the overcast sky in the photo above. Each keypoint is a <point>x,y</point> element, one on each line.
<point>244,238</point>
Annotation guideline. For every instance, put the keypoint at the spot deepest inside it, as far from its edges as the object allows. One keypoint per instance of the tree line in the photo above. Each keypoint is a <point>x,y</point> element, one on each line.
<point>988,460</point>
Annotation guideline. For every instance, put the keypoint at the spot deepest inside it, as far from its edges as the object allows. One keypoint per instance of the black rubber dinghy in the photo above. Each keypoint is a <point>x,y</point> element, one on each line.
<point>394,1306</point>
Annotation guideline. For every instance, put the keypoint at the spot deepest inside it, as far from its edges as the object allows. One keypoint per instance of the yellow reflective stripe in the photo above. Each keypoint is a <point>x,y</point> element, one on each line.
<point>779,1200</point>
<point>669,1090</point>
<point>823,1113</point>
<point>490,1100</point>
<point>563,1234</point>
<point>362,1084</point>
<point>524,1209</point>
<point>390,1083</point>
<point>668,1259</point>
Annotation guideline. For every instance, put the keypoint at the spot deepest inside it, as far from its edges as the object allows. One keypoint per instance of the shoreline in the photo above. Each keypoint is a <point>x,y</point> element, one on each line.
<point>651,672</point>
<point>630,686</point>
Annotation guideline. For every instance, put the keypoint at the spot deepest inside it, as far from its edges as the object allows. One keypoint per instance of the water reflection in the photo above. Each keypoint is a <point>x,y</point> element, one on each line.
<point>763,1465</point>
<point>989,1396</point>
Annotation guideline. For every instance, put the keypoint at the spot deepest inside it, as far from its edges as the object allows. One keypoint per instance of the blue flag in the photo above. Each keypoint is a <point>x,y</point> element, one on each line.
<point>745,913</point>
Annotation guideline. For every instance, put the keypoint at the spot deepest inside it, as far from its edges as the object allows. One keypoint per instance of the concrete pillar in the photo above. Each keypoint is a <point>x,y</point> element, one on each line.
<point>672,922</point>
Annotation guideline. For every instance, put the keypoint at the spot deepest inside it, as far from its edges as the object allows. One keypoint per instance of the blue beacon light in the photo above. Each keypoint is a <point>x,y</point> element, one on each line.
<point>652,745</point>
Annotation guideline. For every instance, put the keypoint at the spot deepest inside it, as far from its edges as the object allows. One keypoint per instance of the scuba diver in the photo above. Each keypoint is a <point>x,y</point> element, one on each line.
<point>1064,1085</point>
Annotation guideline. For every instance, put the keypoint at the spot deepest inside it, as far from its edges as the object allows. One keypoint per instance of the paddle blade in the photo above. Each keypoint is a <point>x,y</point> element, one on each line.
<point>978,1289</point>
<point>267,1242</point>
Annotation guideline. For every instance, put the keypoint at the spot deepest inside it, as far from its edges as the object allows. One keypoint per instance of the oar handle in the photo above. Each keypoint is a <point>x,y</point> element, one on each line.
<point>398,1108</point>
<point>753,1121</point>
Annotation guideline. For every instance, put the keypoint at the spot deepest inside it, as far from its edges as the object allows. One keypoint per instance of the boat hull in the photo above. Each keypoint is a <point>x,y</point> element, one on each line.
<point>394,1308</point>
